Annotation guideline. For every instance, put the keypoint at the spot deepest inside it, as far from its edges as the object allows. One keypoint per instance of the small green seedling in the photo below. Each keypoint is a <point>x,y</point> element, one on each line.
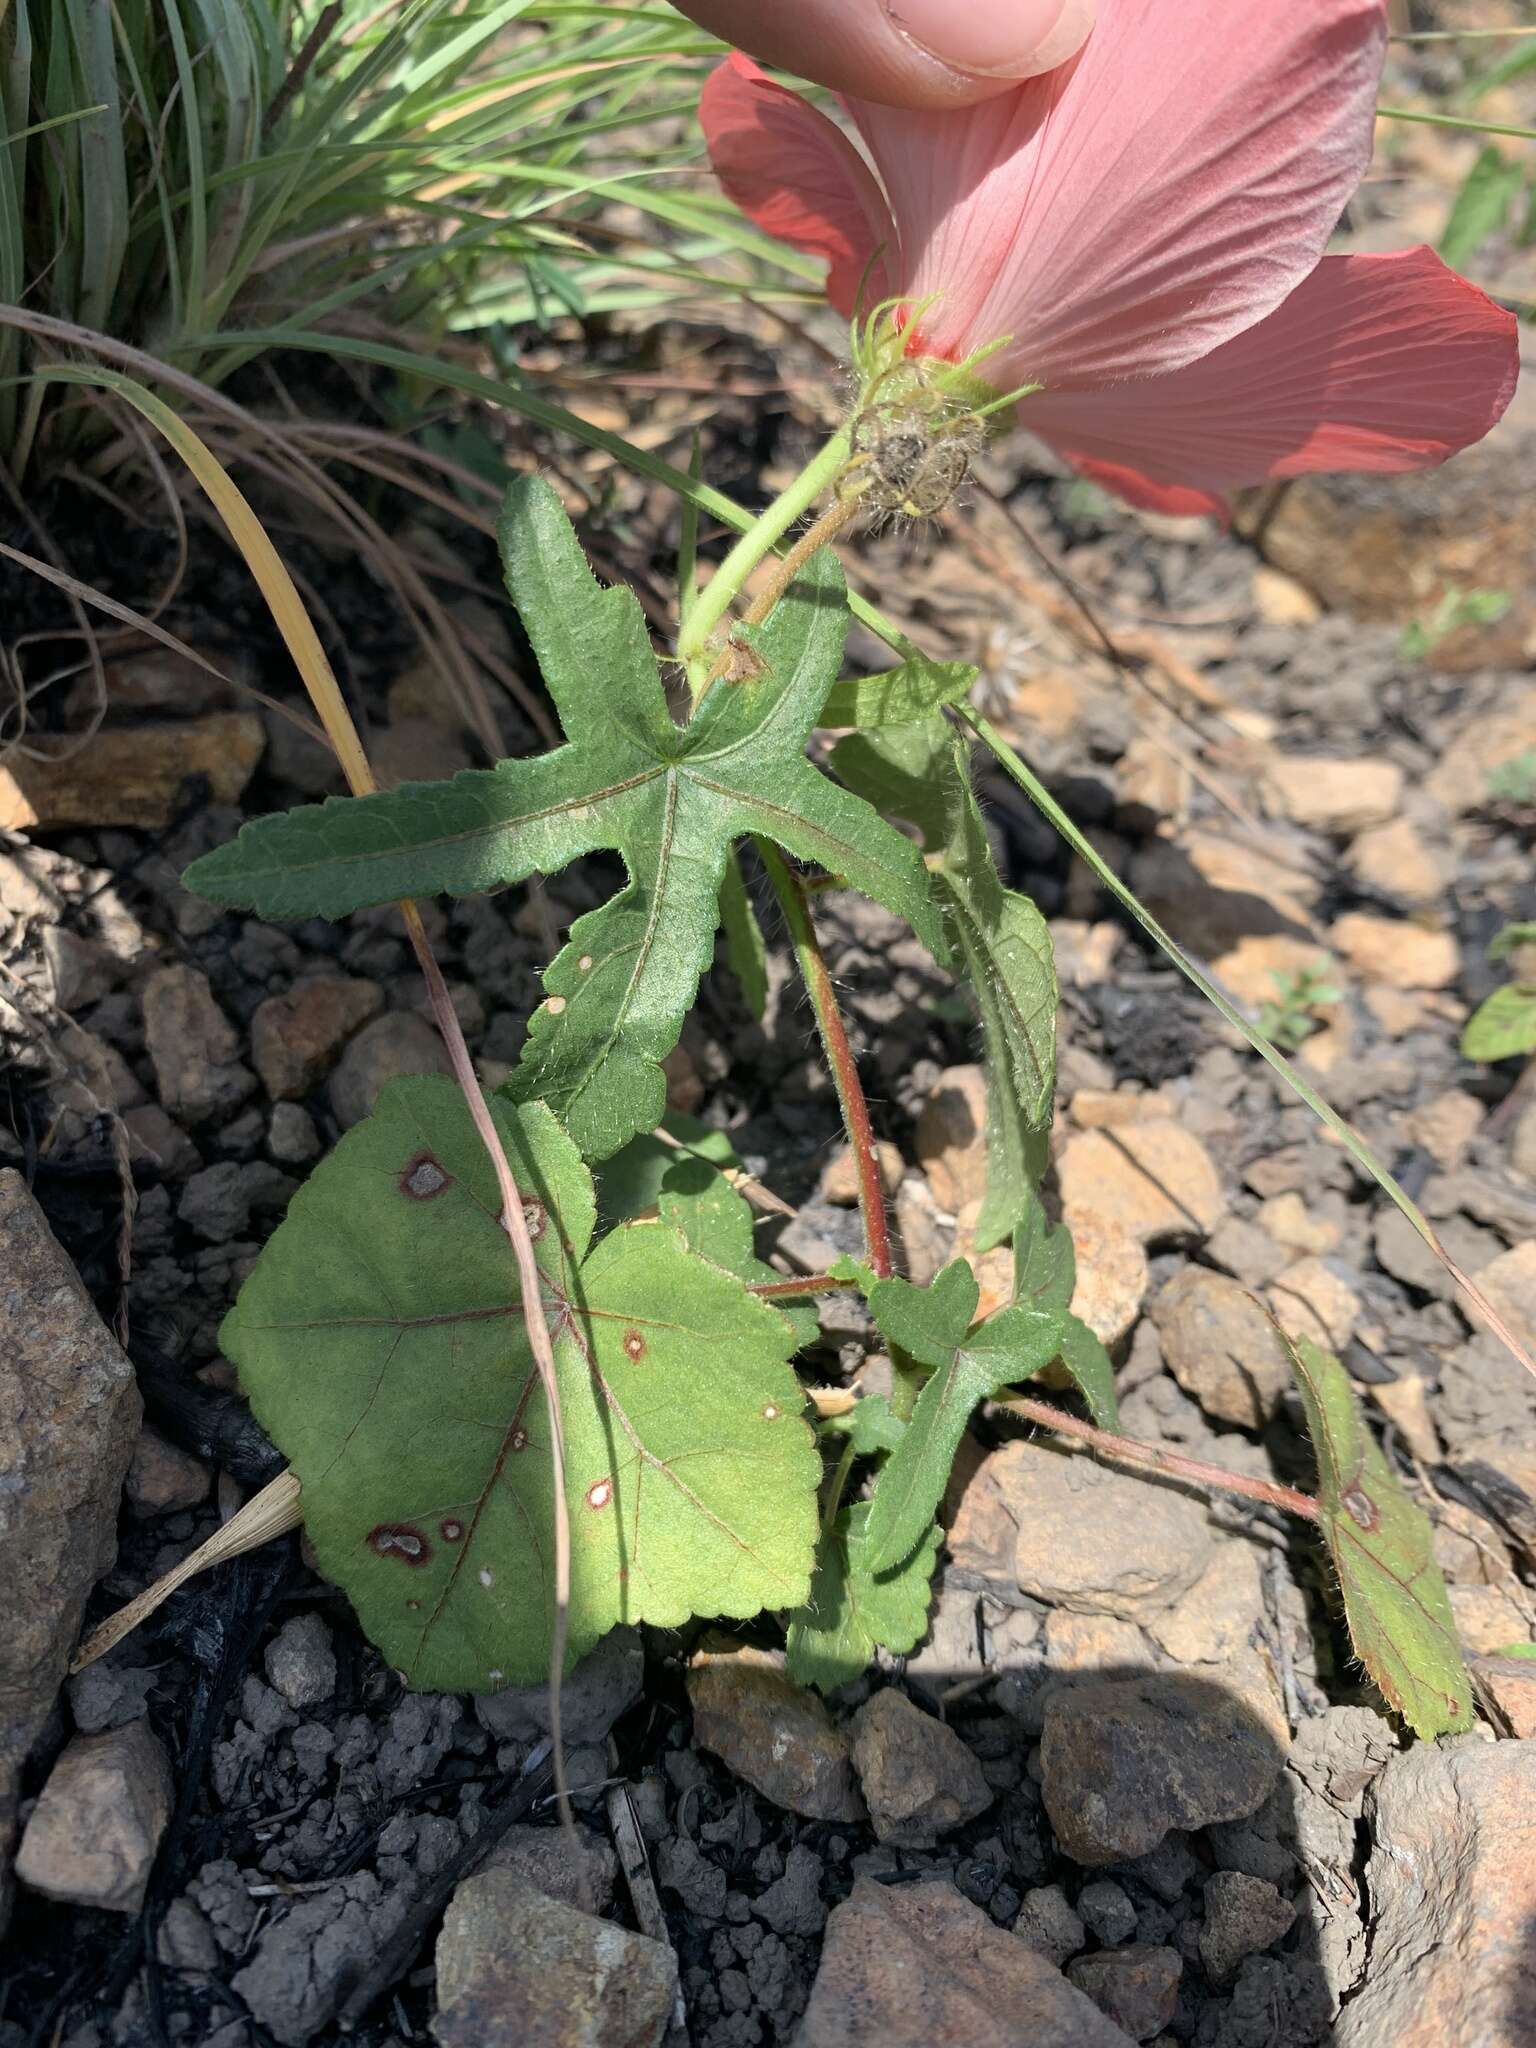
<point>1514,781</point>
<point>1289,1017</point>
<point>1456,608</point>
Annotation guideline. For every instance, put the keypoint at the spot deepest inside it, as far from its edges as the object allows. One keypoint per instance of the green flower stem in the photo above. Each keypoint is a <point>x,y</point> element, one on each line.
<point>834,1039</point>
<point>760,539</point>
<point>802,1283</point>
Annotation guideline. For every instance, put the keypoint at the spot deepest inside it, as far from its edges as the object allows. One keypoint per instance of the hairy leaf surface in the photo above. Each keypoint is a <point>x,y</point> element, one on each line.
<point>897,696</point>
<point>851,1613</point>
<point>933,1325</point>
<point>1382,1547</point>
<point>1001,947</point>
<point>672,800</point>
<point>381,1342</point>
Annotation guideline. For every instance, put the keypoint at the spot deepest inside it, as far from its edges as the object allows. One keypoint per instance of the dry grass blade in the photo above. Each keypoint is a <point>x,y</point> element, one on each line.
<point>270,1513</point>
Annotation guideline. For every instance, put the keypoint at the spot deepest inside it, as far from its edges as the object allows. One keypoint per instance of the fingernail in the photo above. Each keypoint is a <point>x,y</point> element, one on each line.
<point>994,38</point>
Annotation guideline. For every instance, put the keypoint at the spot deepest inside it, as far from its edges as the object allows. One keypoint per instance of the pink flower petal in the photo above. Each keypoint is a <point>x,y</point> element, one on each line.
<point>798,177</point>
<point>1382,363</point>
<point>1132,210</point>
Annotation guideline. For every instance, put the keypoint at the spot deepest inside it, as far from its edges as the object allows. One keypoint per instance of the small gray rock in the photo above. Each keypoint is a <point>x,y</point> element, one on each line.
<point>291,1135</point>
<point>1136,1987</point>
<point>918,1778</point>
<point>392,1046</point>
<point>1242,1915</point>
<point>1125,1760</point>
<point>575,1866</point>
<point>682,1867</point>
<point>606,1681</point>
<point>1049,1926</point>
<point>194,1048</point>
<point>1106,1912</point>
<point>516,1969</point>
<point>300,1661</point>
<point>94,1832</point>
<point>105,1695</point>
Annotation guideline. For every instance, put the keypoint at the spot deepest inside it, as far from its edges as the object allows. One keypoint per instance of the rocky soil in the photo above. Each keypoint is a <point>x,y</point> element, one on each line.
<point>1132,1787</point>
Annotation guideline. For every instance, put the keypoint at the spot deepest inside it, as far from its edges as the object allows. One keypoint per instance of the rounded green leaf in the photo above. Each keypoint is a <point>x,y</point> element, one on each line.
<point>382,1344</point>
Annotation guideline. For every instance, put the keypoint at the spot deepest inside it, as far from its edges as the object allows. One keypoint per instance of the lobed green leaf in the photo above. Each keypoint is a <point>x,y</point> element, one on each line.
<point>852,1612</point>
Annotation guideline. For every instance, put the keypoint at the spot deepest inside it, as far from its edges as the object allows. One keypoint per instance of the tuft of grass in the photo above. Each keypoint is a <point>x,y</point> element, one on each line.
<point>173,172</point>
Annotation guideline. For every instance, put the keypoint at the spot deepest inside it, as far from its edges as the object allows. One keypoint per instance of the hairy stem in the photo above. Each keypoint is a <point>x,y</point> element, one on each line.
<point>834,1039</point>
<point>804,1283</point>
<point>760,539</point>
<point>1129,1452</point>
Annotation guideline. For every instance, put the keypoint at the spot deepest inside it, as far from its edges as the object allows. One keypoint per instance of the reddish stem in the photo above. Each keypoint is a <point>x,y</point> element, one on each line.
<point>834,1039</point>
<point>804,1283</point>
<point>1130,1452</point>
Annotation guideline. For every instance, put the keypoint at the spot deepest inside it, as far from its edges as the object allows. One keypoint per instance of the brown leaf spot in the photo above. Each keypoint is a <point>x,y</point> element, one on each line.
<point>399,1539</point>
<point>450,1531</point>
<point>634,1345</point>
<point>598,1496</point>
<point>1361,1509</point>
<point>423,1179</point>
<point>519,1439</point>
<point>770,1413</point>
<point>534,1218</point>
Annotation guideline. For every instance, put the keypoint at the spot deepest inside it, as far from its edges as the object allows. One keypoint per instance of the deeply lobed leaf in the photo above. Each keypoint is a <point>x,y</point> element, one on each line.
<point>671,800</point>
<point>381,1341</point>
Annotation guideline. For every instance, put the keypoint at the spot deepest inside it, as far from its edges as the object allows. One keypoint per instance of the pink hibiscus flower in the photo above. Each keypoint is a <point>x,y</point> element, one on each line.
<point>1146,225</point>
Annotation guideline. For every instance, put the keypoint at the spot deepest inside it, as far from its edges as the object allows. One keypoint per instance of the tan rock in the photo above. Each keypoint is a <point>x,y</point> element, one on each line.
<point>1445,1126</point>
<point>1217,1617</point>
<point>94,1832</point>
<point>1096,1539</point>
<point>1291,1224</point>
<point>1152,782</point>
<point>1096,1643</point>
<point>1155,1180</point>
<point>1522,1143</point>
<point>295,1037</point>
<point>1395,860</point>
<point>1393,951</point>
<point>518,1969</point>
<point>685,1084</point>
<point>1220,1347</point>
<point>1337,796</point>
<point>1112,1276</point>
<point>773,1733</point>
<point>839,1182</point>
<point>1508,1684</point>
<point>952,1137</point>
<point>133,775</point>
<point>1310,1300</point>
<point>918,1966</point>
<point>1459,779</point>
<point>1257,968</point>
<point>1490,1617</point>
<point>1051,703</point>
<point>918,1778</point>
<point>1396,1012</point>
<point>69,1414</point>
<point>163,1480</point>
<point>1210,891</point>
<point>1085,953</point>
<point>1387,549</point>
<point>1509,1282</point>
<point>1105,1109</point>
<point>1280,600</point>
<point>194,1047</point>
<point>927,1234</point>
<point>1452,1885</point>
<point>1406,1405</point>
